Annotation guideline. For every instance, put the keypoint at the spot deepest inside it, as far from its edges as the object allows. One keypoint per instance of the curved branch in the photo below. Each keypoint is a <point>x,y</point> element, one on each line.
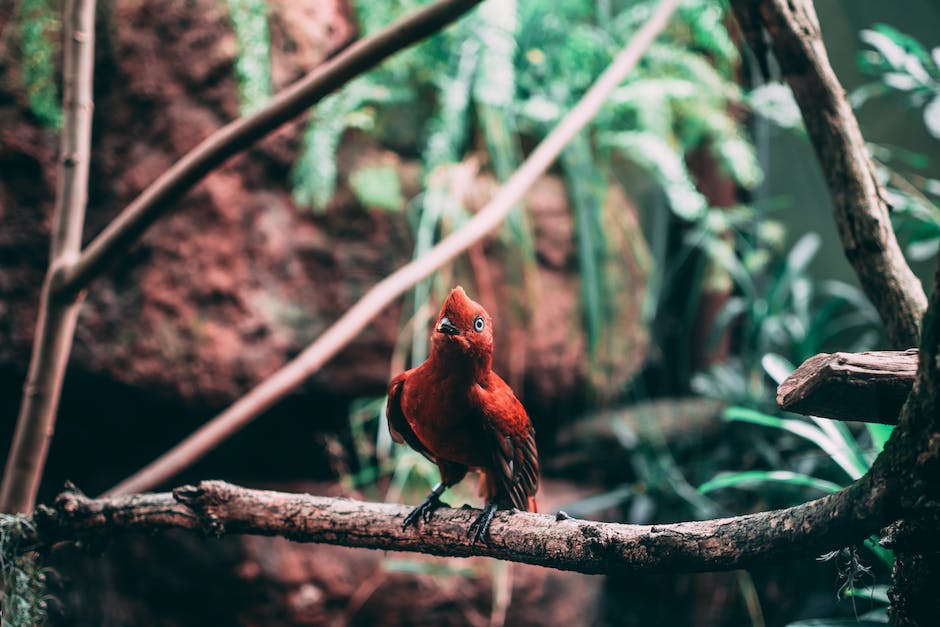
<point>218,508</point>
<point>124,230</point>
<point>858,202</point>
<point>341,332</point>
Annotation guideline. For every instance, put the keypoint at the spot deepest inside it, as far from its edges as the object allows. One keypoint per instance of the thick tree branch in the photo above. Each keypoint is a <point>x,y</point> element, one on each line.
<point>869,387</point>
<point>375,301</point>
<point>217,508</point>
<point>124,230</point>
<point>860,212</point>
<point>912,457</point>
<point>55,326</point>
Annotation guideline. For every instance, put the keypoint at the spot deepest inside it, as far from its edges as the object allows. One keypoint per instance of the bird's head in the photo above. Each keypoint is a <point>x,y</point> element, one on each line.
<point>464,329</point>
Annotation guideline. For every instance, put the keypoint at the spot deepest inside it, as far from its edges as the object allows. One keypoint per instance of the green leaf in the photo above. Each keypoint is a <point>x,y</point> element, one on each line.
<point>879,435</point>
<point>378,186</point>
<point>757,478</point>
<point>932,117</point>
<point>653,153</point>
<point>495,83</point>
<point>777,366</point>
<point>39,25</point>
<point>775,102</point>
<point>436,568</point>
<point>253,64</point>
<point>835,622</point>
<point>878,594</point>
<point>834,448</point>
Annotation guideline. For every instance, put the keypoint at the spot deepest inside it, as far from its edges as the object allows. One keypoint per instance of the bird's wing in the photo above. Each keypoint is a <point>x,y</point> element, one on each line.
<point>515,459</point>
<point>398,426</point>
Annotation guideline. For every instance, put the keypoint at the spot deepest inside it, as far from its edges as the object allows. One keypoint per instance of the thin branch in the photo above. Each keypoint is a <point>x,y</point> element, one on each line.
<point>217,508</point>
<point>860,211</point>
<point>160,196</point>
<point>55,326</point>
<point>71,270</point>
<point>869,387</point>
<point>386,291</point>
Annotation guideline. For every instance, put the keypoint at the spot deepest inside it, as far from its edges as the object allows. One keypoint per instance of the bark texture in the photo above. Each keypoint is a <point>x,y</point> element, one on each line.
<point>57,317</point>
<point>860,211</point>
<point>216,508</point>
<point>912,457</point>
<point>869,387</point>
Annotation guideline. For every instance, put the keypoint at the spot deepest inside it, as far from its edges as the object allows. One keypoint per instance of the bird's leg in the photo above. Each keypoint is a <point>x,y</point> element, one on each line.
<point>427,508</point>
<point>480,527</point>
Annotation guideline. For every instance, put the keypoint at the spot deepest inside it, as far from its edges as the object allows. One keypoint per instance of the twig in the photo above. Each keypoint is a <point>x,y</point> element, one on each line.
<point>386,291</point>
<point>159,197</point>
<point>55,326</point>
<point>869,387</point>
<point>860,211</point>
<point>217,508</point>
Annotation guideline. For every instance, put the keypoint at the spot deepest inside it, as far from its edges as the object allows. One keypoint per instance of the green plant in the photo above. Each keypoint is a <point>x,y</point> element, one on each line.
<point>38,29</point>
<point>23,581</point>
<point>502,78</point>
<point>253,63</point>
<point>901,65</point>
<point>781,317</point>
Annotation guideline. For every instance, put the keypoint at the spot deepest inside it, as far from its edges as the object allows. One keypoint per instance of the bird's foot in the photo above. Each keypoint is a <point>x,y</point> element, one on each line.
<point>423,511</point>
<point>480,528</point>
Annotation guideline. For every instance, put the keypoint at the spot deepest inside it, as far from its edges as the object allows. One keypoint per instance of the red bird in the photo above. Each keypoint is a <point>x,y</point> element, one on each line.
<point>462,416</point>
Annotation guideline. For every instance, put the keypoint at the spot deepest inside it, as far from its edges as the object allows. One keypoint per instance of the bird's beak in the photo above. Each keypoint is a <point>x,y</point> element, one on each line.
<point>446,327</point>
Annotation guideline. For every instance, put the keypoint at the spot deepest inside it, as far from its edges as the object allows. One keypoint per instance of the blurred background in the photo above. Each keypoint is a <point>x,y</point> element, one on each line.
<point>678,261</point>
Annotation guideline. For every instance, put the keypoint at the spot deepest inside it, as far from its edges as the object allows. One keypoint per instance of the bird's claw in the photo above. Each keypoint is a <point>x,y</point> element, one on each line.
<point>423,511</point>
<point>479,529</point>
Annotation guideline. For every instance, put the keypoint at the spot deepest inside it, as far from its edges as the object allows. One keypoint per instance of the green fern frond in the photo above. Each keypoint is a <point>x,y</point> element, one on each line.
<point>448,128</point>
<point>495,82</point>
<point>253,64</point>
<point>314,174</point>
<point>39,29</point>
<point>653,153</point>
<point>707,33</point>
<point>669,60</point>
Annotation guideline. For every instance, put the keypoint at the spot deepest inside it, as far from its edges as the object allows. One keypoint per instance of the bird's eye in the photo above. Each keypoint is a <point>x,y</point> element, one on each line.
<point>478,324</point>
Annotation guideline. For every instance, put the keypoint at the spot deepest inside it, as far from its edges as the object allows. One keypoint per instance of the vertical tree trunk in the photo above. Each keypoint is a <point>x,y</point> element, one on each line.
<point>860,212</point>
<point>872,248</point>
<point>57,317</point>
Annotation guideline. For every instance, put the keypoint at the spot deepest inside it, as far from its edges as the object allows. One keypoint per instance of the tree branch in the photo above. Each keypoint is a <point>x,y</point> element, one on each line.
<point>217,508</point>
<point>72,270</point>
<point>387,290</point>
<point>860,212</point>
<point>912,456</point>
<point>55,326</point>
<point>869,387</point>
<point>124,230</point>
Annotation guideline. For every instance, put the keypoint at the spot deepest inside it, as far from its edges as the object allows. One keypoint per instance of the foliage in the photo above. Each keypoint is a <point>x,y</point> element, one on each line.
<point>780,314</point>
<point>23,582</point>
<point>505,76</point>
<point>902,67</point>
<point>781,317</point>
<point>39,28</point>
<point>253,63</point>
